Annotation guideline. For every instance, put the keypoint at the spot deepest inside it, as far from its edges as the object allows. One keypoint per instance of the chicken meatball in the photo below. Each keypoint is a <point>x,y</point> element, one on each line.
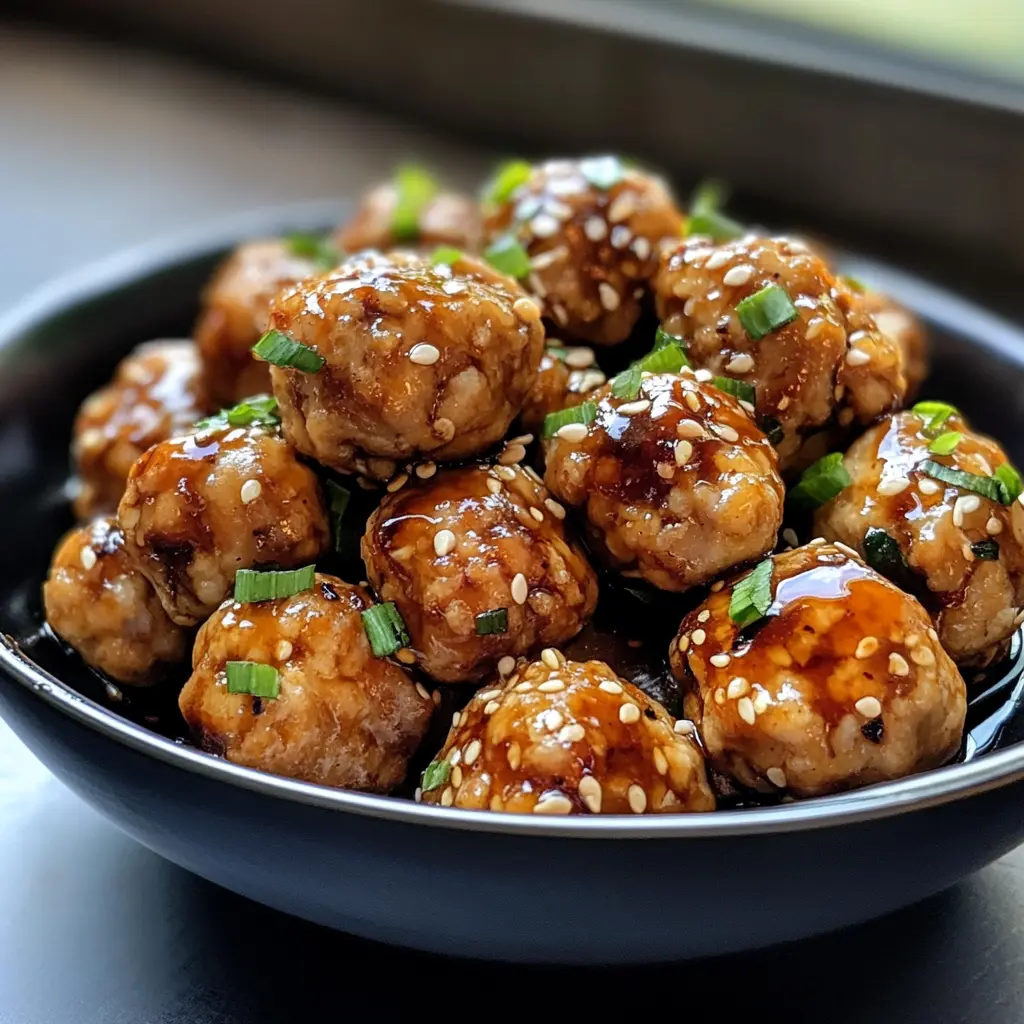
<point>478,562</point>
<point>963,549</point>
<point>566,377</point>
<point>340,717</point>
<point>676,481</point>
<point>906,330</point>
<point>807,343</point>
<point>199,508</point>
<point>592,229</point>
<point>235,310</point>
<point>155,394</point>
<point>567,737</point>
<point>106,610</point>
<point>420,359</point>
<point>841,683</point>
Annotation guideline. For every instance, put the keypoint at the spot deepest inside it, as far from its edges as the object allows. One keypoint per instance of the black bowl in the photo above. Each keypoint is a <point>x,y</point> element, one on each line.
<point>490,885</point>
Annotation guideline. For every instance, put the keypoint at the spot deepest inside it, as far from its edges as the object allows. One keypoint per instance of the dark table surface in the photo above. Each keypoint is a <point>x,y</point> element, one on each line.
<point>102,148</point>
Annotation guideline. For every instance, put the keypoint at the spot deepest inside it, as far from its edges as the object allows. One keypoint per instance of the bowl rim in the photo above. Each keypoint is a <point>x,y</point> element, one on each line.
<point>883,800</point>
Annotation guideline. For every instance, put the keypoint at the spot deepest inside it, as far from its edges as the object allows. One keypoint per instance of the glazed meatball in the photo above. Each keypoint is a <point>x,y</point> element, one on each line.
<point>828,363</point>
<point>567,737</point>
<point>906,330</point>
<point>199,508</point>
<point>567,376</point>
<point>592,229</point>
<point>235,311</point>
<point>106,610</point>
<point>420,360</point>
<point>468,542</point>
<point>155,394</point>
<point>677,483</point>
<point>445,219</point>
<point>841,684</point>
<point>965,549</point>
<point>341,716</point>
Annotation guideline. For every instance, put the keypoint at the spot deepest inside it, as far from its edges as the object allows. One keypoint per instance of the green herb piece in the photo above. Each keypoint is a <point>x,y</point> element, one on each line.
<point>584,413</point>
<point>603,171</point>
<point>945,444</point>
<point>254,678</point>
<point>254,585</point>
<point>765,311</point>
<point>414,188</point>
<point>934,414</point>
<point>883,553</point>
<point>491,622</point>
<point>338,498</point>
<point>772,429</point>
<point>626,385</point>
<point>986,550</point>
<point>257,411</point>
<point>506,179</point>
<point>446,254</point>
<point>752,595</point>
<point>317,248</point>
<point>508,256</point>
<point>822,481</point>
<point>740,389</point>
<point>663,338</point>
<point>385,629</point>
<point>277,348</point>
<point>987,486</point>
<point>1009,483</point>
<point>557,353</point>
<point>854,284</point>
<point>436,775</point>
<point>666,359</point>
<point>706,217</point>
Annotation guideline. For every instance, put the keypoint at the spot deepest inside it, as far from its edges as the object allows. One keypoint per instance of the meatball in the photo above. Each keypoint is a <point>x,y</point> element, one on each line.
<point>235,310</point>
<point>106,610</point>
<point>841,684</point>
<point>155,394</point>
<point>965,549</point>
<point>567,737</point>
<point>199,508</point>
<point>470,545</point>
<point>592,230</point>
<point>566,377</point>
<point>447,218</point>
<point>420,359</point>
<point>828,363</point>
<point>341,717</point>
<point>676,482</point>
<point>906,330</point>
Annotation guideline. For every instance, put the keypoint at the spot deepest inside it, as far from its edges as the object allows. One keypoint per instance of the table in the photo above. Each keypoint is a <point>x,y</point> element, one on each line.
<point>103,147</point>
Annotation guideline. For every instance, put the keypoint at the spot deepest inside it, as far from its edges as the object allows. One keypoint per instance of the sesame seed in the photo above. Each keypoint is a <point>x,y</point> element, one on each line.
<point>814,328</point>
<point>425,470</point>
<point>491,706</point>
<point>283,651</point>
<point>689,306</point>
<point>543,260</point>
<point>595,228</point>
<point>783,403</point>
<point>444,542</point>
<point>579,358</point>
<point>922,656</point>
<point>964,506</point>
<point>703,376</point>
<point>621,236</point>
<point>552,720</point>
<point>742,362</point>
<point>693,401</point>
<point>816,542</point>
<point>506,473</point>
<point>88,557</point>
<point>912,639</point>
<point>444,428</point>
<point>845,417</point>
<point>424,355</point>
<point>697,637</point>
<point>493,485</point>
<point>553,804</point>
<point>418,794</point>
<point>572,432</point>
<point>590,793</point>
<point>634,408</point>
<point>683,452</point>
<point>738,687</point>
<point>735,277</point>
<point>928,486</point>
<point>250,491</point>
<point>660,761</point>
<point>514,755</point>
<point>488,695</point>
<point>610,686</point>
<point>684,727</point>
<point>622,207</point>
<point>472,752</point>
<point>558,209</point>
<point>447,796</point>
<point>790,537</point>
<point>629,714</point>
<point>637,799</point>
<point>718,259</point>
<point>720,660</point>
<point>544,225</point>
<point>572,733</point>
<point>456,719</point>
<point>704,615</point>
<point>642,248</point>
<point>397,483</point>
<point>866,647</point>
<point>993,527</point>
<point>692,255</point>
<point>894,485</point>
<point>558,511</point>
<point>898,665</point>
<point>550,657</point>
<point>689,429</point>
<point>857,357</point>
<point>455,755</point>
<point>725,432</point>
<point>609,296</point>
<point>683,642</point>
<point>520,589</point>
<point>745,709</point>
<point>513,454</point>
<point>524,687</point>
<point>869,707</point>
<point>456,776</point>
<point>720,696</point>
<point>846,549</point>
<point>761,702</point>
<point>526,309</point>
<point>777,777</point>
<point>666,470</point>
<point>1020,498</point>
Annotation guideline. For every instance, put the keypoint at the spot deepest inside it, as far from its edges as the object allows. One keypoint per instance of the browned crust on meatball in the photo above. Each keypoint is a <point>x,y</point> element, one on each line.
<point>155,393</point>
<point>907,331</point>
<point>843,684</point>
<point>594,251</point>
<point>566,737</point>
<point>567,376</point>
<point>342,716</point>
<point>106,610</point>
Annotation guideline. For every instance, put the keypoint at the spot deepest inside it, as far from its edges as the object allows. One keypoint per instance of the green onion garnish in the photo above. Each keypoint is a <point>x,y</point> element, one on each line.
<point>556,352</point>
<point>584,413</point>
<point>666,359</point>
<point>765,311</point>
<point>884,554</point>
<point>987,486</point>
<point>854,284</point>
<point>772,429</point>
<point>740,389</point>
<point>254,585</point>
<point>934,414</point>
<point>986,550</point>
<point>279,349</point>
<point>414,188</point>
<point>626,385</point>
<point>253,677</point>
<point>318,248</point>
<point>436,775</point>
<point>945,444</point>
<point>446,254</point>
<point>1009,482</point>
<point>603,171</point>
<point>705,216</point>
<point>339,498</point>
<point>490,622</point>
<point>752,596</point>
<point>821,481</point>
<point>663,338</point>
<point>508,256</point>
<point>384,629</point>
<point>257,411</point>
<point>506,179</point>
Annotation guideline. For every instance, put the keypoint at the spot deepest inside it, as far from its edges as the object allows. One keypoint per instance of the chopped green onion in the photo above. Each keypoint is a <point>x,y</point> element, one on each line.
<point>1009,482</point>
<point>506,179</point>
<point>557,352</point>
<point>772,429</point>
<point>339,498</point>
<point>986,550</point>
<point>257,411</point>
<point>447,254</point>
<point>945,444</point>
<point>384,629</point>
<point>626,385</point>
<point>253,677</point>
<point>414,188</point>
<point>493,621</point>
<point>666,359</point>
<point>706,217</point>
<point>254,585</point>
<point>765,311</point>
<point>740,389</point>
<point>934,414</point>
<point>508,256</point>
<point>603,171</point>
<point>318,248</point>
<point>584,413</point>
<point>752,596</point>
<point>884,554</point>
<point>987,486</point>
<point>279,349</point>
<point>663,338</point>
<point>854,284</point>
<point>822,481</point>
<point>436,775</point>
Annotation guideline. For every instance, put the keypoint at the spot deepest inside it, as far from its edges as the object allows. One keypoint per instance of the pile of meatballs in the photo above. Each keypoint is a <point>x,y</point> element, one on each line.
<point>502,405</point>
